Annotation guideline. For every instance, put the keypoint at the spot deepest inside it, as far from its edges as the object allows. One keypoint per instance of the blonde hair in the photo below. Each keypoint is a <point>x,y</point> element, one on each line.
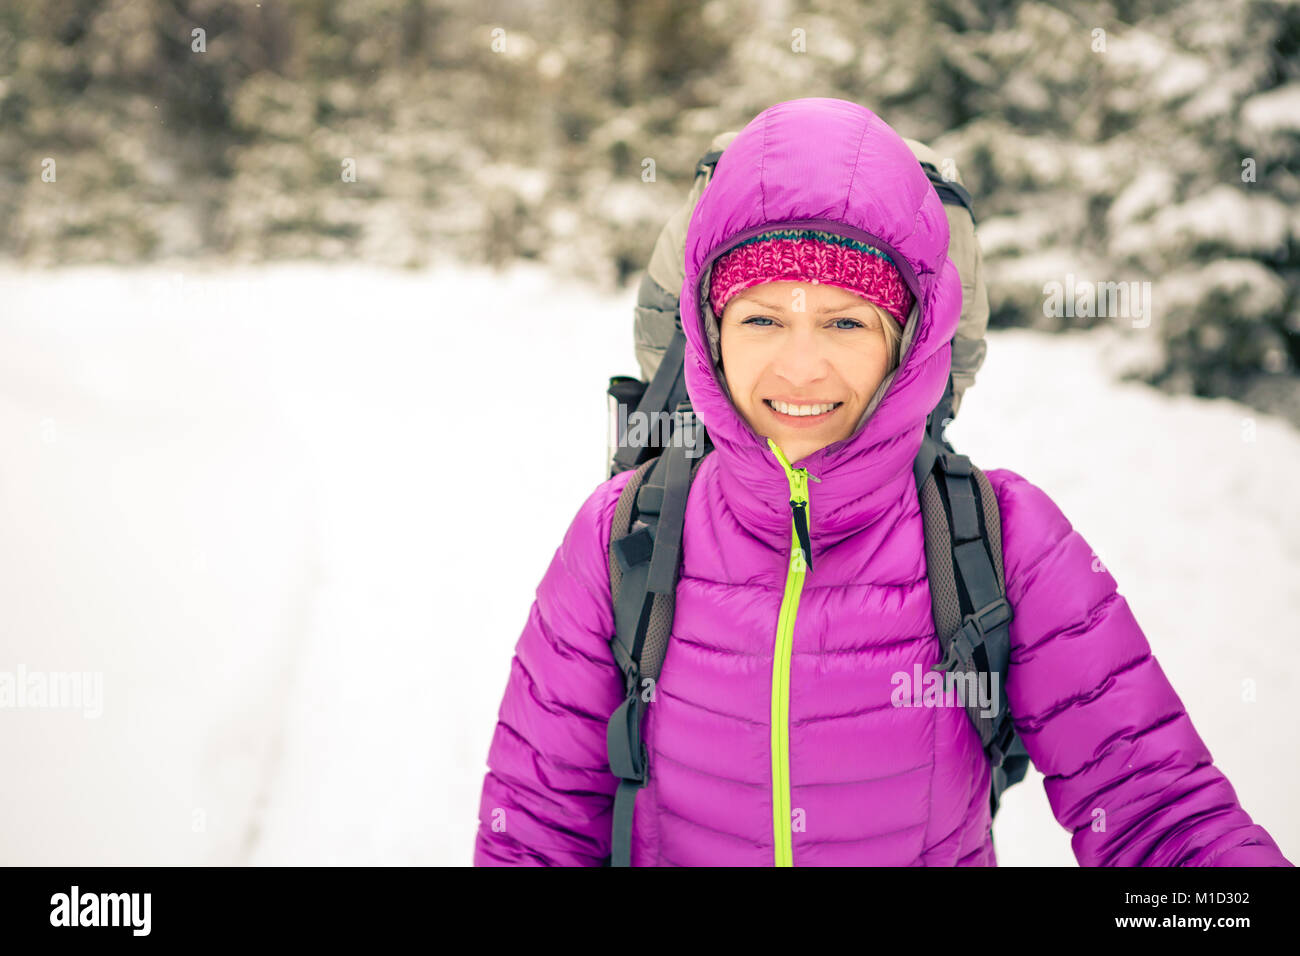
<point>893,335</point>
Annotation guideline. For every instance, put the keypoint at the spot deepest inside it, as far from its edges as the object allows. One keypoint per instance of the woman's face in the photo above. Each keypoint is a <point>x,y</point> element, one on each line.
<point>805,345</point>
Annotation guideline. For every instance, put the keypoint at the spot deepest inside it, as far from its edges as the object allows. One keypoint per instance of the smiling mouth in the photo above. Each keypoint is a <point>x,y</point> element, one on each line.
<point>812,412</point>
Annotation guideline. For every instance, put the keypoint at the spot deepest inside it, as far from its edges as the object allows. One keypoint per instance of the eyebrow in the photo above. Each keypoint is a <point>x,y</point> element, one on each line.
<point>835,308</point>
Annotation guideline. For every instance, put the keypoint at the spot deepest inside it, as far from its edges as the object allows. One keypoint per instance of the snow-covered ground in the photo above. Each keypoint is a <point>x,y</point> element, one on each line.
<point>294,519</point>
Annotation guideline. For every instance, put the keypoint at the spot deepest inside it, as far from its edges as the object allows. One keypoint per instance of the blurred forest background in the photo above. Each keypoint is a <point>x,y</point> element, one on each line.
<point>1125,141</point>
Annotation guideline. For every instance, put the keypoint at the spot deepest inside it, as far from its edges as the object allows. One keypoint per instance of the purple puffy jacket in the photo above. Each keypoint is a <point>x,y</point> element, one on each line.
<point>867,783</point>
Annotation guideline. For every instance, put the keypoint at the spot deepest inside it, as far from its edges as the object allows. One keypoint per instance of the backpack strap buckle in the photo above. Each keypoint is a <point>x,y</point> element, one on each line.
<point>627,761</point>
<point>627,758</point>
<point>968,638</point>
<point>955,464</point>
<point>1001,741</point>
<point>990,616</point>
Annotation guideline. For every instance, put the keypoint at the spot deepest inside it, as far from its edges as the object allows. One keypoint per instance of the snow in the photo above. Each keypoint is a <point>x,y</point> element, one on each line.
<point>530,185</point>
<point>1276,110</point>
<point>630,203</point>
<point>1167,71</point>
<point>1150,190</point>
<point>1030,163</point>
<point>296,518</point>
<point>1223,214</point>
<point>1003,237</point>
<point>1253,289</point>
<point>1031,272</point>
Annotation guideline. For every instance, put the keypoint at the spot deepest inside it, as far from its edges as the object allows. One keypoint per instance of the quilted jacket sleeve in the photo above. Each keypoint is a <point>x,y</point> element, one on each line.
<point>1125,770</point>
<point>548,794</point>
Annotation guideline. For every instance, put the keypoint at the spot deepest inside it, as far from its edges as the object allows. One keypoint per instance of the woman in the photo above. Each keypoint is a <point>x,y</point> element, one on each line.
<point>773,737</point>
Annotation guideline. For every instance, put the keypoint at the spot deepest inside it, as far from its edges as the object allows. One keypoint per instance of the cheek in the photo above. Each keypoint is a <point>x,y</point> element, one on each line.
<point>864,367</point>
<point>742,363</point>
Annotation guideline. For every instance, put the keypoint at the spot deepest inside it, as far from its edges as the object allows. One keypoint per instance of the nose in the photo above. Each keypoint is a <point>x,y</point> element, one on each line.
<point>800,359</point>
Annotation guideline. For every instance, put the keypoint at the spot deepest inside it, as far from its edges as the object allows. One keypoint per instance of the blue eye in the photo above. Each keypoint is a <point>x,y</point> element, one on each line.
<point>762,321</point>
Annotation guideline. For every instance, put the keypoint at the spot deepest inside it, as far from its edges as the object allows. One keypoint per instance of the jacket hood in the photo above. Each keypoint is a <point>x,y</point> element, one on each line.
<point>833,165</point>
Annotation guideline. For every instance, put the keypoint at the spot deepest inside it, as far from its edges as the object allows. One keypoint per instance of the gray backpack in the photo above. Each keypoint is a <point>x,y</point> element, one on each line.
<point>963,534</point>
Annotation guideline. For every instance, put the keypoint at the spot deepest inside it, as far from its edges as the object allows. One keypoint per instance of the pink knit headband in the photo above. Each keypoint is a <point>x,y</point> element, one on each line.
<point>809,255</point>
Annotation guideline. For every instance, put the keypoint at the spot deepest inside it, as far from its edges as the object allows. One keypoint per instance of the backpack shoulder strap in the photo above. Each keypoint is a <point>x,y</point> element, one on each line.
<point>963,545</point>
<point>644,559</point>
<point>665,391</point>
<point>950,191</point>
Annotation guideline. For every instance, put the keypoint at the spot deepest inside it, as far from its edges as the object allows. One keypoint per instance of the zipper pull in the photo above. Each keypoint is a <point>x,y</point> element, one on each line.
<point>798,478</point>
<point>800,509</point>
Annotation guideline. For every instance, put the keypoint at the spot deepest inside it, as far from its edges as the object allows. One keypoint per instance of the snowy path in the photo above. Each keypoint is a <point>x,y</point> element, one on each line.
<point>283,512</point>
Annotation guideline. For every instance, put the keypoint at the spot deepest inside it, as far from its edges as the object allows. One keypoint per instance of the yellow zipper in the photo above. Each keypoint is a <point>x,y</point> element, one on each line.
<point>800,563</point>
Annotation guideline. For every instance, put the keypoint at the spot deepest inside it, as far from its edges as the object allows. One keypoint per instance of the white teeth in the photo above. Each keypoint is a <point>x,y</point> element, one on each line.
<point>801,409</point>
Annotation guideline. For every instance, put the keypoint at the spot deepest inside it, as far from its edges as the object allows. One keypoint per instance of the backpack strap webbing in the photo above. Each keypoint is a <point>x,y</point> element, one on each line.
<point>644,558</point>
<point>666,391</point>
<point>950,191</point>
<point>963,548</point>
<point>707,162</point>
